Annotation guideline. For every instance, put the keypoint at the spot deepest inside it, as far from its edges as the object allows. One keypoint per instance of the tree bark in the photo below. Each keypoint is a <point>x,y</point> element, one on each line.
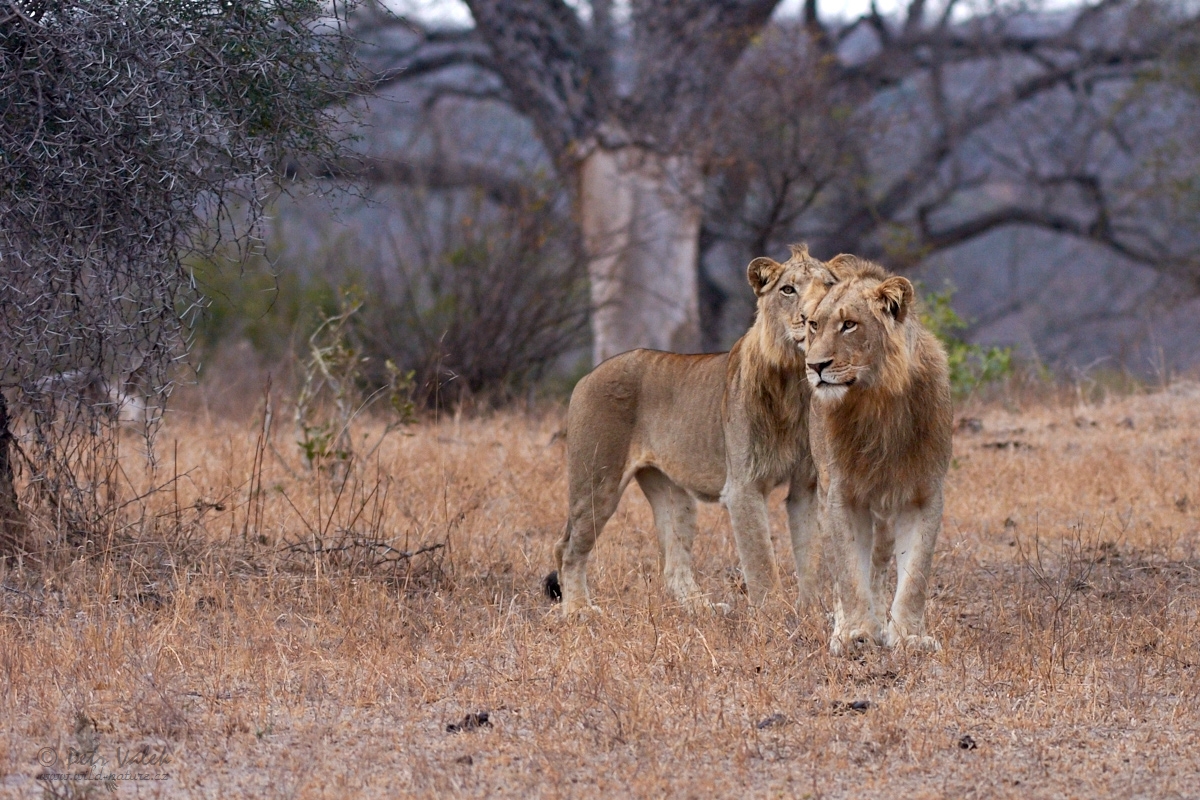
<point>12,521</point>
<point>640,214</point>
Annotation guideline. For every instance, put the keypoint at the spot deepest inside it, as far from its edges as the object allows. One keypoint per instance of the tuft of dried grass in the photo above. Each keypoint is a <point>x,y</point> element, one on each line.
<point>274,632</point>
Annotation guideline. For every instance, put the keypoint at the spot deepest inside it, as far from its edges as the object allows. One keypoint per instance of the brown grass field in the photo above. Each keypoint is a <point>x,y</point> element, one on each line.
<point>205,627</point>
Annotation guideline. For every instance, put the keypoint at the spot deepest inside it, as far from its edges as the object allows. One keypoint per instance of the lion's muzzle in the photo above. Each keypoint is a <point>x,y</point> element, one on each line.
<point>828,381</point>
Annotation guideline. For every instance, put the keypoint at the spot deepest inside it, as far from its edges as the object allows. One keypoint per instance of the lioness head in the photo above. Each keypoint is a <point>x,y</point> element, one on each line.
<point>856,331</point>
<point>780,289</point>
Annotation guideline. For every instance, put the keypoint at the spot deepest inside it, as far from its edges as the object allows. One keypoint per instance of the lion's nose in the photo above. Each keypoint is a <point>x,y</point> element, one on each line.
<point>819,366</point>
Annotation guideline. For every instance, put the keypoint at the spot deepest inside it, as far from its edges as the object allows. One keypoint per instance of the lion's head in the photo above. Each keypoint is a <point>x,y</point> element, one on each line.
<point>780,289</point>
<point>855,330</point>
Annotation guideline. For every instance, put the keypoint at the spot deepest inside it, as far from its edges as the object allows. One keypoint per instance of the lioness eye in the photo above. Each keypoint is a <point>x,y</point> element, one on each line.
<point>788,290</point>
<point>812,326</point>
<point>848,326</point>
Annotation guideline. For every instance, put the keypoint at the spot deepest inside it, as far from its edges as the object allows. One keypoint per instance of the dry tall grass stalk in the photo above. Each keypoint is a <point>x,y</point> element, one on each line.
<point>311,638</point>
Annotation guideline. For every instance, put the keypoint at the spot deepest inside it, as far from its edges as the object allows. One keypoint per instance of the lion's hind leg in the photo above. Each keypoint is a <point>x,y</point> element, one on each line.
<point>675,522</point>
<point>591,507</point>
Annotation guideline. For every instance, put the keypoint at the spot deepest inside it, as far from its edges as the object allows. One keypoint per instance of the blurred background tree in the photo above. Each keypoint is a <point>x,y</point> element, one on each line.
<point>619,106</point>
<point>1031,156</point>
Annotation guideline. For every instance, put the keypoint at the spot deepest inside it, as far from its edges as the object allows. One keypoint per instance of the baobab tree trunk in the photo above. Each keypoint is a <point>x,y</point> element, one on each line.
<point>640,214</point>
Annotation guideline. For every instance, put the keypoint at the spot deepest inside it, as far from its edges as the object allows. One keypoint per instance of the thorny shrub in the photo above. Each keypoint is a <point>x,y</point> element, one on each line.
<point>126,131</point>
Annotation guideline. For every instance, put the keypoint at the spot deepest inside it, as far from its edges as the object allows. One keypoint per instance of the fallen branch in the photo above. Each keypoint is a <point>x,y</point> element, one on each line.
<point>391,553</point>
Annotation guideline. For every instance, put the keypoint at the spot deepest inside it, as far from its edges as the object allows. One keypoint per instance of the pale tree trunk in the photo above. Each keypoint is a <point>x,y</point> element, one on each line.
<point>640,214</point>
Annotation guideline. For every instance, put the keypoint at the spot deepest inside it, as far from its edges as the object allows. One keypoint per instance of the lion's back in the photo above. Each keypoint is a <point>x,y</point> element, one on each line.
<point>660,409</point>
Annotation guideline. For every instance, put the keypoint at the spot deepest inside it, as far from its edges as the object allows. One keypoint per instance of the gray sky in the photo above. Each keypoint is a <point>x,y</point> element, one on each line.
<point>454,11</point>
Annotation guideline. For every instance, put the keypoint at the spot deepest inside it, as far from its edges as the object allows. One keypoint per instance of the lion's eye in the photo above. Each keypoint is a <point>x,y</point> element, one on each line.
<point>788,290</point>
<point>848,326</point>
<point>812,325</point>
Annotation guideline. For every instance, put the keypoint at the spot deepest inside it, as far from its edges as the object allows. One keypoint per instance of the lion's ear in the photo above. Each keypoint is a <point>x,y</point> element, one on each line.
<point>762,271</point>
<point>842,265</point>
<point>896,294</point>
<point>823,275</point>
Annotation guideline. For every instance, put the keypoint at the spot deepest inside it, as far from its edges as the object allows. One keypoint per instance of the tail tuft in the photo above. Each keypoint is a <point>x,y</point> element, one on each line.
<point>551,588</point>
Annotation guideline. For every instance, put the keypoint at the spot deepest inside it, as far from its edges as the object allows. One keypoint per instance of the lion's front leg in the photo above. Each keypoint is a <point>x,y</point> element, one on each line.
<point>849,529</point>
<point>752,534</point>
<point>675,521</point>
<point>916,536</point>
<point>804,526</point>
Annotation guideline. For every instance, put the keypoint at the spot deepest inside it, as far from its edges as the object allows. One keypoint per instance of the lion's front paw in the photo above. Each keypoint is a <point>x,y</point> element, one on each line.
<point>925,644</point>
<point>898,637</point>
<point>852,642</point>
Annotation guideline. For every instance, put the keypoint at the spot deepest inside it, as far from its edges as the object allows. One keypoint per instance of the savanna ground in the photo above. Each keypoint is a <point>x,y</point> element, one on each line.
<point>277,632</point>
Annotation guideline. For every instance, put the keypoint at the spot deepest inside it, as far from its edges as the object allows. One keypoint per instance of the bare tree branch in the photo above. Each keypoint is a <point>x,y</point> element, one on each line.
<point>1116,64</point>
<point>545,57</point>
<point>434,173</point>
<point>818,34</point>
<point>420,64</point>
<point>915,18</point>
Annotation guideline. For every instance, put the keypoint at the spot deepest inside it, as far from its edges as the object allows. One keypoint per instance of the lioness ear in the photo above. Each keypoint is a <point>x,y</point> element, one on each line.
<point>762,271</point>
<point>896,294</point>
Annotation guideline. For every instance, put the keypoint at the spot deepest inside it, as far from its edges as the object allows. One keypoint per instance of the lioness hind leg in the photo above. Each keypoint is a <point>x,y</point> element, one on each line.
<point>675,522</point>
<point>591,509</point>
<point>916,536</point>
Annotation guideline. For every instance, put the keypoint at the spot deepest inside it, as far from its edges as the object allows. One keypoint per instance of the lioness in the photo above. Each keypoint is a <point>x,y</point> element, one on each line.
<point>880,433</point>
<point>728,426</point>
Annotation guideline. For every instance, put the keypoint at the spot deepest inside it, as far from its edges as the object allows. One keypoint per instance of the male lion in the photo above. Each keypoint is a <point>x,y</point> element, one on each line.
<point>728,426</point>
<point>880,433</point>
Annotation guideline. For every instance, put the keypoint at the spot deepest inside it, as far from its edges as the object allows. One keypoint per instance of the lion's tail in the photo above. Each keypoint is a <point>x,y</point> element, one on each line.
<point>550,584</point>
<point>551,588</point>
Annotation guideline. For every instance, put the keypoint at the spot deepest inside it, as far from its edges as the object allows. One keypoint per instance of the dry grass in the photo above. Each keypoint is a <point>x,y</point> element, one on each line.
<point>1067,600</point>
